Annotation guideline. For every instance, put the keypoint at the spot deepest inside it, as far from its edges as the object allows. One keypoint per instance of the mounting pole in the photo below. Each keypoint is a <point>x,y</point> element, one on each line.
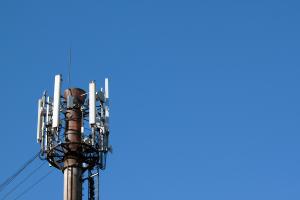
<point>72,160</point>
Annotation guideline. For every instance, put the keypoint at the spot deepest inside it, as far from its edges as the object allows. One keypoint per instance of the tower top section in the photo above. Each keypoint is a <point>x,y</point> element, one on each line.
<point>74,123</point>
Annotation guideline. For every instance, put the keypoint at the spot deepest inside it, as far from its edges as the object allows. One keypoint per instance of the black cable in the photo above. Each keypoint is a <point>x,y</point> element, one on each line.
<point>24,180</point>
<point>11,178</point>
<point>34,184</point>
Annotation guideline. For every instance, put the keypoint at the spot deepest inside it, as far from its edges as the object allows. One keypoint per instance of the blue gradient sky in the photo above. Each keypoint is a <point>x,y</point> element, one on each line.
<point>205,94</point>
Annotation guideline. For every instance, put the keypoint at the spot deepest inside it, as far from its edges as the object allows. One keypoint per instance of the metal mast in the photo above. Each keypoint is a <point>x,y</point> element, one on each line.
<point>63,138</point>
<point>72,160</point>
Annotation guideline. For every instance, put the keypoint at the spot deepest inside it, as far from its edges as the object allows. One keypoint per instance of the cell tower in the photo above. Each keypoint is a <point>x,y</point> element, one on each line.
<point>73,132</point>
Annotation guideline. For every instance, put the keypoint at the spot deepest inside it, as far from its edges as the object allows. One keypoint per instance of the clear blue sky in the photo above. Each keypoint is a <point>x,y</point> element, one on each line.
<point>205,94</point>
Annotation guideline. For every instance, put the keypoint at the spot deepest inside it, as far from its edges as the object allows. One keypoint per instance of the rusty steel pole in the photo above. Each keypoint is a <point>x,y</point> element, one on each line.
<point>72,160</point>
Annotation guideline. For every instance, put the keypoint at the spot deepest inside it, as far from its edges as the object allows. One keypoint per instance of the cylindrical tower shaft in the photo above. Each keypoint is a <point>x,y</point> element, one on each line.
<point>72,183</point>
<point>72,160</point>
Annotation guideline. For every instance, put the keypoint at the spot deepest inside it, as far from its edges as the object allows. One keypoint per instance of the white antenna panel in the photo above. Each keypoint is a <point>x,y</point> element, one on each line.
<point>39,122</point>
<point>56,101</point>
<point>92,103</point>
<point>106,88</point>
<point>47,122</point>
<point>106,112</point>
<point>47,110</point>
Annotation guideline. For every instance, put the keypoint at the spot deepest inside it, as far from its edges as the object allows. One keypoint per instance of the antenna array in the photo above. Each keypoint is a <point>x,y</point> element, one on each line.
<point>66,140</point>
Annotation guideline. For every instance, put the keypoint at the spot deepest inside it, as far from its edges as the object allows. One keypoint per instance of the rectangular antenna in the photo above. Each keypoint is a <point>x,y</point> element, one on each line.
<point>47,110</point>
<point>39,122</point>
<point>106,119</point>
<point>106,88</point>
<point>47,122</point>
<point>43,122</point>
<point>92,103</point>
<point>106,114</point>
<point>56,101</point>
